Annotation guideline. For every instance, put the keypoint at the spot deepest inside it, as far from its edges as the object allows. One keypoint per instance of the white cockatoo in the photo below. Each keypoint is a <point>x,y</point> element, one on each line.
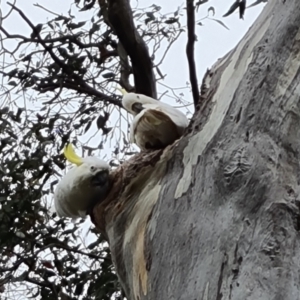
<point>82,186</point>
<point>155,124</point>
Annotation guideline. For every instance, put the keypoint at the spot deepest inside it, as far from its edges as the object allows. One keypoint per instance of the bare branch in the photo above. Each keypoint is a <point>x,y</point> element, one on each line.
<point>88,90</point>
<point>49,11</point>
<point>80,85</point>
<point>121,18</point>
<point>190,49</point>
<point>65,247</point>
<point>168,48</point>
<point>125,68</point>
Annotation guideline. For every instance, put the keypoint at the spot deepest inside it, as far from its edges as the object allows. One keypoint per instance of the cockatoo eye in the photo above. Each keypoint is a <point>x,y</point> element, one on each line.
<point>92,168</point>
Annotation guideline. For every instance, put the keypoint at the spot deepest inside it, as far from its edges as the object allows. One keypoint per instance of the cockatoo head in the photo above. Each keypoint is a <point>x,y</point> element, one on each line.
<point>83,186</point>
<point>135,103</point>
<point>90,168</point>
<point>155,124</point>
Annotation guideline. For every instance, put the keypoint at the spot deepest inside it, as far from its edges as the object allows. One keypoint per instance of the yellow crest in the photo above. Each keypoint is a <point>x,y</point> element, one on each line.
<point>123,91</point>
<point>71,156</point>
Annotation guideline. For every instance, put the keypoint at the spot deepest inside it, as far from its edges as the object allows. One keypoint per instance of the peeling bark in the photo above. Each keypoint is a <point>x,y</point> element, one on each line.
<point>216,215</point>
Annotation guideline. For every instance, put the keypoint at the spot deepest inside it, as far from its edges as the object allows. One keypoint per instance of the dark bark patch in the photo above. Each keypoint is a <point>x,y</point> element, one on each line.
<point>238,116</point>
<point>250,117</point>
<point>247,136</point>
<point>220,280</point>
<point>239,164</point>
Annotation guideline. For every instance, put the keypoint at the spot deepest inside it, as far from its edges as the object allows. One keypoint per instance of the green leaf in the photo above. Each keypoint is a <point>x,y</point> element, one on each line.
<point>76,25</point>
<point>220,22</point>
<point>232,8</point>
<point>171,21</point>
<point>212,10</point>
<point>109,75</point>
<point>13,83</point>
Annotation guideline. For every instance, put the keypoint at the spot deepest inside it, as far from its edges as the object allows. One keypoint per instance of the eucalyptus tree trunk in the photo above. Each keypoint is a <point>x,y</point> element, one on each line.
<point>216,215</point>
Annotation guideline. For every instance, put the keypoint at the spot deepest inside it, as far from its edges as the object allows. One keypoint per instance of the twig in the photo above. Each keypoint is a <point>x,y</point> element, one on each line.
<point>162,94</point>
<point>42,7</point>
<point>65,247</point>
<point>88,90</point>
<point>125,68</point>
<point>168,48</point>
<point>40,40</point>
<point>65,38</point>
<point>190,49</point>
<point>57,94</point>
<point>10,11</point>
<point>81,85</point>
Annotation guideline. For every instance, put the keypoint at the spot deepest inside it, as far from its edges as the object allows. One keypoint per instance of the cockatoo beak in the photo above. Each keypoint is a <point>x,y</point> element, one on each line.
<point>71,156</point>
<point>123,91</point>
<point>137,107</point>
<point>100,178</point>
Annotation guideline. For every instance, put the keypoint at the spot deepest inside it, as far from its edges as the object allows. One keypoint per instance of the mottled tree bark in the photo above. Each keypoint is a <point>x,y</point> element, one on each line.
<point>216,215</point>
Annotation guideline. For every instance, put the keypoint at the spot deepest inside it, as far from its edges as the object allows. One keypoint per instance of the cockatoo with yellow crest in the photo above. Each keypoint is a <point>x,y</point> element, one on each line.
<point>84,185</point>
<point>155,124</point>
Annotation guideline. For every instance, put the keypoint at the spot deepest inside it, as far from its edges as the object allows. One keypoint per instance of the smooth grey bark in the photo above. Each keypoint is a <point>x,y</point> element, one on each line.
<point>216,215</point>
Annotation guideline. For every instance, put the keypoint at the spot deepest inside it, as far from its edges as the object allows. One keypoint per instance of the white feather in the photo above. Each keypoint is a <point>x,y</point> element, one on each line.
<point>74,194</point>
<point>150,128</point>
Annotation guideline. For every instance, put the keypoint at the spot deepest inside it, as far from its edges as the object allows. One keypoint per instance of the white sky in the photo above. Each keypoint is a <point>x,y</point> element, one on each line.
<point>214,41</point>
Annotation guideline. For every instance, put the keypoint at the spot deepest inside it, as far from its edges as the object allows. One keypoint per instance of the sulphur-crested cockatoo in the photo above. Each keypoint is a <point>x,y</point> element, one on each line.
<point>82,186</point>
<point>155,124</point>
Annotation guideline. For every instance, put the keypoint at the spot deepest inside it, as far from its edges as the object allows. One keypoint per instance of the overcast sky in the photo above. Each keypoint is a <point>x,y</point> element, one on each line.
<point>214,41</point>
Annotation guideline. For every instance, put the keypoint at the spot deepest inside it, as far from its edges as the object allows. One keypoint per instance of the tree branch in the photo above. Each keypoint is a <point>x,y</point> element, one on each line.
<point>125,68</point>
<point>65,247</point>
<point>121,18</point>
<point>190,49</point>
<point>86,89</point>
<point>58,61</point>
<point>64,38</point>
<point>81,85</point>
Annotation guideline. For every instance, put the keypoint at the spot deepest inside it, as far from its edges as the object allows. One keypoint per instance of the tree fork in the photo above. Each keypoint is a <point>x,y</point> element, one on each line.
<point>216,215</point>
